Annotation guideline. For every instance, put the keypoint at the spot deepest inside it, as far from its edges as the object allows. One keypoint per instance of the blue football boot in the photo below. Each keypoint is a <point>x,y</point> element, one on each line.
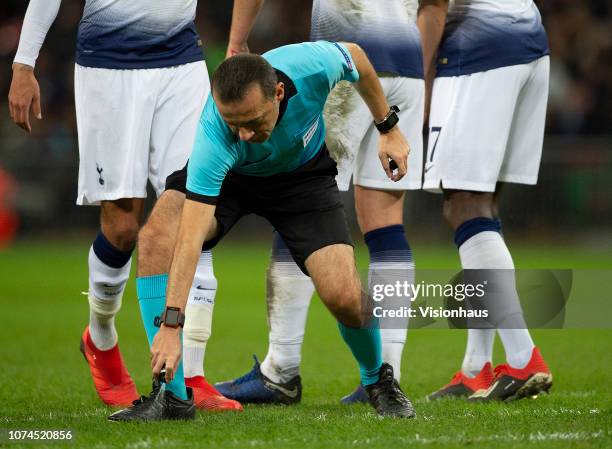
<point>359,396</point>
<point>255,388</point>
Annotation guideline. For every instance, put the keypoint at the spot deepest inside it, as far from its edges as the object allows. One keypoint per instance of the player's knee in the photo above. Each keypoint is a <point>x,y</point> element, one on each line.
<point>449,212</point>
<point>346,307</point>
<point>122,231</point>
<point>460,207</point>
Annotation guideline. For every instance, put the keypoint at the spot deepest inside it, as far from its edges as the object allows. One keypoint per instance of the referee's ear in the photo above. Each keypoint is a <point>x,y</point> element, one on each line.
<point>279,94</point>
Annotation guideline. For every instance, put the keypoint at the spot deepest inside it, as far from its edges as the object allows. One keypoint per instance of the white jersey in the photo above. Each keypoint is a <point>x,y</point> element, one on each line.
<point>386,30</point>
<point>120,34</point>
<point>482,35</point>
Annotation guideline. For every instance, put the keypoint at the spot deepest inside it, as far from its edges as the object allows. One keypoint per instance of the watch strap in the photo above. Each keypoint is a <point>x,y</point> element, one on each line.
<point>172,317</point>
<point>390,120</point>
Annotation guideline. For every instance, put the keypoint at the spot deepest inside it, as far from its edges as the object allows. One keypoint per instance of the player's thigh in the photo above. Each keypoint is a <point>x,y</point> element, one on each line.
<point>120,221</point>
<point>408,94</point>
<point>157,238</point>
<point>333,272</point>
<point>378,208</point>
<point>183,91</point>
<point>306,209</point>
<point>524,150</point>
<point>470,120</point>
<point>114,110</point>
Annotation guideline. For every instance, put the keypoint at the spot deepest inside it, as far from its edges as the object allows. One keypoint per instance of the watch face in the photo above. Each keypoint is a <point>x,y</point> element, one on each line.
<point>172,317</point>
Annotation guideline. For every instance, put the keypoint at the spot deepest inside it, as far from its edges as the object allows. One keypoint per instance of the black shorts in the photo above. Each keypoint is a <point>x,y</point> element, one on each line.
<point>304,205</point>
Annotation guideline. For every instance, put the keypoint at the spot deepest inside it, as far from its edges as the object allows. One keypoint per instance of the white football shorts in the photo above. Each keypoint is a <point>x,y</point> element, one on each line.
<point>352,138</point>
<point>487,127</point>
<point>135,125</point>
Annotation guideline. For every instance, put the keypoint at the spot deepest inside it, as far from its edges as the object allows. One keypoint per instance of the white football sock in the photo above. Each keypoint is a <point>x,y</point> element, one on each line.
<point>479,350</point>
<point>393,341</point>
<point>288,297</point>
<point>393,338</point>
<point>518,345</point>
<point>106,286</point>
<point>198,316</point>
<point>487,250</point>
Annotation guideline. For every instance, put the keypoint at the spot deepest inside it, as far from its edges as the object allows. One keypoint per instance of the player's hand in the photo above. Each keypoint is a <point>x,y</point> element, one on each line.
<point>166,351</point>
<point>393,145</point>
<point>234,48</point>
<point>24,96</point>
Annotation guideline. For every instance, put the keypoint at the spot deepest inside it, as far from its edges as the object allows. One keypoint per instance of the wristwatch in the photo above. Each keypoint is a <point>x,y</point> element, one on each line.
<point>173,317</point>
<point>390,120</point>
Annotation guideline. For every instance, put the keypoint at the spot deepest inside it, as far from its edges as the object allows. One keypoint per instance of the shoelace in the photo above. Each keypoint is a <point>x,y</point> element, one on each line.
<point>142,399</point>
<point>251,375</point>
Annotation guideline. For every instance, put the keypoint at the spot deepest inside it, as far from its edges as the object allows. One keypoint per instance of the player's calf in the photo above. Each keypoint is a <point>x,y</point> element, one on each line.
<point>109,270</point>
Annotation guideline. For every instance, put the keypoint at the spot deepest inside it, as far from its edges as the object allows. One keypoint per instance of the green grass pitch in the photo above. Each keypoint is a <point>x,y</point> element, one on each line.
<point>45,382</point>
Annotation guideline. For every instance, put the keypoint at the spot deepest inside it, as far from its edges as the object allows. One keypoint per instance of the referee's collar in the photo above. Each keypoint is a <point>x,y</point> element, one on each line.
<point>290,91</point>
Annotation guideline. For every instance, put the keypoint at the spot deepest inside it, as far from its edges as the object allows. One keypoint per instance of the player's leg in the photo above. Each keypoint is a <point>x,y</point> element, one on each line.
<point>317,237</point>
<point>525,373</point>
<point>470,207</point>
<point>276,380</point>
<point>111,172</point>
<point>380,218</point>
<point>109,269</point>
<point>379,205</point>
<point>288,295</point>
<point>332,269</point>
<point>467,159</point>
<point>109,266</point>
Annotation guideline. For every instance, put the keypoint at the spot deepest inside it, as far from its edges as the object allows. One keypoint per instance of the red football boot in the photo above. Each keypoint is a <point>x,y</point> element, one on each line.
<point>110,376</point>
<point>206,397</point>
<point>462,385</point>
<point>512,383</point>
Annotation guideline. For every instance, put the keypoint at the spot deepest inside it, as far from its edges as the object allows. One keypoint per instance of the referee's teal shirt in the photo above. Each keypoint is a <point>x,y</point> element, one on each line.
<point>315,68</point>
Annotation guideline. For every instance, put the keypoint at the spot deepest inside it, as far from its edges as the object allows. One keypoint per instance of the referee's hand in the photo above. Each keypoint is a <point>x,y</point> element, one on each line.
<point>24,96</point>
<point>166,351</point>
<point>394,146</point>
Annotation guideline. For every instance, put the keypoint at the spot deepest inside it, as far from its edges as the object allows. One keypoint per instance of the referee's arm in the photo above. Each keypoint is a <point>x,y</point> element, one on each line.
<point>197,223</point>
